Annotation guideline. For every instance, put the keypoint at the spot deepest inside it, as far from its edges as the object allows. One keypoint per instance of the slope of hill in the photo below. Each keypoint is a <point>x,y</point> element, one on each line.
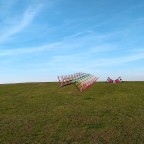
<point>40,113</point>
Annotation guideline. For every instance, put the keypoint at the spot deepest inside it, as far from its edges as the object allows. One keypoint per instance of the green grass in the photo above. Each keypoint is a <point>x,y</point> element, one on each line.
<point>44,113</point>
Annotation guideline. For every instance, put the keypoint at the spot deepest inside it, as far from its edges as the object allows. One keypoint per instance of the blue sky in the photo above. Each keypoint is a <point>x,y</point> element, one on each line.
<point>40,39</point>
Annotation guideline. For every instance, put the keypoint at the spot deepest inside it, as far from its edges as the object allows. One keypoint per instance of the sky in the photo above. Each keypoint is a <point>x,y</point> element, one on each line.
<point>43,39</point>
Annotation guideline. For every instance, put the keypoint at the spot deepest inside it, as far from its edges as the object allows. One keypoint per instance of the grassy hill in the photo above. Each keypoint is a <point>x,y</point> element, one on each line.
<point>44,113</point>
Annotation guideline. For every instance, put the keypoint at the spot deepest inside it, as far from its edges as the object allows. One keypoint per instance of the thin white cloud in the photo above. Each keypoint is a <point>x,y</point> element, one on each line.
<point>105,62</point>
<point>27,18</point>
<point>85,43</point>
<point>28,50</point>
<point>83,61</point>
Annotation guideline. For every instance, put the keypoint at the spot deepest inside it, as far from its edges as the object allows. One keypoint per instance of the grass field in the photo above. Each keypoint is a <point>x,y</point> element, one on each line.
<point>44,113</point>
